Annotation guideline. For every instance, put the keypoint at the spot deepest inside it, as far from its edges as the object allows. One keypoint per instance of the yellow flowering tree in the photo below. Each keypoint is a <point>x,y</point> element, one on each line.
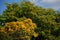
<point>20,30</point>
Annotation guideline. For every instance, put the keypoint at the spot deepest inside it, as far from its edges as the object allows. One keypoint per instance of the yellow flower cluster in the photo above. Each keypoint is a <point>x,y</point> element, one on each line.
<point>26,25</point>
<point>35,34</point>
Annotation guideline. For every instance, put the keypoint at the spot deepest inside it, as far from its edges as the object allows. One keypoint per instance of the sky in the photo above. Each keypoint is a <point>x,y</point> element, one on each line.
<point>55,4</point>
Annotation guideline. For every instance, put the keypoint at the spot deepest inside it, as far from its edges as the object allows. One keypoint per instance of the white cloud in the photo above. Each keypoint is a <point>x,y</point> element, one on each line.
<point>36,2</point>
<point>33,1</point>
<point>55,4</point>
<point>50,1</point>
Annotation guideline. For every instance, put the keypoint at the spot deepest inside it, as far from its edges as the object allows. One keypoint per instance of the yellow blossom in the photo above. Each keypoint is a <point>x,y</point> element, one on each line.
<point>35,34</point>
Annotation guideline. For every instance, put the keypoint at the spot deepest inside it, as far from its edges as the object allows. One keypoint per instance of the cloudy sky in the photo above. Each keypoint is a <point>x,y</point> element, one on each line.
<point>55,4</point>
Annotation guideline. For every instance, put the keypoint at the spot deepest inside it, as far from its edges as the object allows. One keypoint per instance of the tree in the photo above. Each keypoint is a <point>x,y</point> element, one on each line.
<point>2,20</point>
<point>22,30</point>
<point>47,20</point>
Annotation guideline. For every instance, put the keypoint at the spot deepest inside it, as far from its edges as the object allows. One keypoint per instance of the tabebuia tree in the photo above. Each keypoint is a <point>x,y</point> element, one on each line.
<point>22,30</point>
<point>45,26</point>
